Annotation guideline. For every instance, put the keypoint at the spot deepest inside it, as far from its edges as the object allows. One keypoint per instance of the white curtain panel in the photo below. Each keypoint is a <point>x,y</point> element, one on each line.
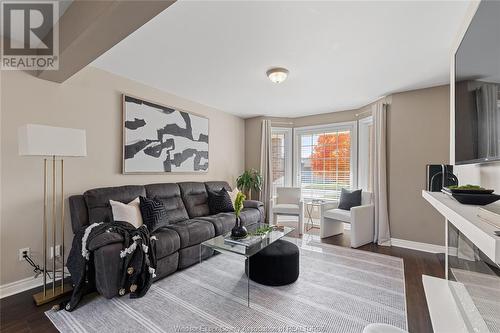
<point>266,165</point>
<point>488,120</point>
<point>382,234</point>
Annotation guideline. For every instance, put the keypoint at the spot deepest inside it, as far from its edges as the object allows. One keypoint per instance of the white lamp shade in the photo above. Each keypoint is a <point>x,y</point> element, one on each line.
<point>41,140</point>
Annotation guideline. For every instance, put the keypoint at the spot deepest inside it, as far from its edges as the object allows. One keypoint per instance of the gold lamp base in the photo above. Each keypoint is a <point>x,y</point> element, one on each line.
<point>50,295</point>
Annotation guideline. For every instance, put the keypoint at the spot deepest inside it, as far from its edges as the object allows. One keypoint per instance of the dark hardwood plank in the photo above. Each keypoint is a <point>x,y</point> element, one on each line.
<point>18,313</point>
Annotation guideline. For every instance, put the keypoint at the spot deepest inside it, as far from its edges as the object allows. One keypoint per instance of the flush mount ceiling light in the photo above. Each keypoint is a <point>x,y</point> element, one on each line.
<point>277,74</point>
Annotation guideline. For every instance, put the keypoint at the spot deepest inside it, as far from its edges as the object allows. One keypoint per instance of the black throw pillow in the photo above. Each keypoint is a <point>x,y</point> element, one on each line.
<point>154,214</point>
<point>219,202</point>
<point>349,199</point>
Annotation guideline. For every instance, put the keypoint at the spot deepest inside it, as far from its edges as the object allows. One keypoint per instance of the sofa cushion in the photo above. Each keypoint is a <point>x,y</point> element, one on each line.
<point>217,186</point>
<point>195,198</point>
<point>97,200</point>
<point>193,231</point>
<point>167,242</point>
<point>170,195</point>
<point>249,216</point>
<point>338,214</point>
<point>223,222</point>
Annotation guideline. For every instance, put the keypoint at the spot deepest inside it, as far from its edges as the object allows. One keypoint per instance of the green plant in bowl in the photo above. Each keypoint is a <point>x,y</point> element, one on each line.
<point>466,187</point>
<point>262,231</point>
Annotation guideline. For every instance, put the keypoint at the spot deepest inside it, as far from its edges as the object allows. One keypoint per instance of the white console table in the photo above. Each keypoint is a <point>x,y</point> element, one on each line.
<point>465,219</point>
<point>446,314</point>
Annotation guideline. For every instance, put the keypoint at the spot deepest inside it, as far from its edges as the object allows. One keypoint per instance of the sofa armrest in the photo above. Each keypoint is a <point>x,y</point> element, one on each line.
<point>329,205</point>
<point>108,269</point>
<point>104,239</point>
<point>302,205</point>
<point>252,204</point>
<point>256,205</point>
<point>362,225</point>
<point>364,212</point>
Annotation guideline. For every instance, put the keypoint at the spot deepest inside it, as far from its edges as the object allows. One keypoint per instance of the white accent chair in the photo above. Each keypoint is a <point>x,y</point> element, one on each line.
<point>361,219</point>
<point>287,202</point>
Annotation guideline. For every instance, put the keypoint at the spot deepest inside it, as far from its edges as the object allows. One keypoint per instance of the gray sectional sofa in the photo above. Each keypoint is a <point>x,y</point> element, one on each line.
<point>177,245</point>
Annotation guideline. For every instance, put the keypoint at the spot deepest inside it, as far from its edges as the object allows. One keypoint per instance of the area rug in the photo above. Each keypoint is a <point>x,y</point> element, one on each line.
<point>484,290</point>
<point>339,290</point>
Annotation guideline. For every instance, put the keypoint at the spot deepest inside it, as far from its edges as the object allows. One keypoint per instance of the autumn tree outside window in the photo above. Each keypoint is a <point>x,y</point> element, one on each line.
<point>327,160</point>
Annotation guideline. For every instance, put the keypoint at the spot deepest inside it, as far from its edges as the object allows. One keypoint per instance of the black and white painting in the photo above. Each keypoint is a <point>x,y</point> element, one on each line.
<point>157,138</point>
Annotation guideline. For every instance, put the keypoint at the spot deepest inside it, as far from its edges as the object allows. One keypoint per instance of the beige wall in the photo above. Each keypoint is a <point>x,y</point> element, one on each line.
<point>418,134</point>
<point>91,99</point>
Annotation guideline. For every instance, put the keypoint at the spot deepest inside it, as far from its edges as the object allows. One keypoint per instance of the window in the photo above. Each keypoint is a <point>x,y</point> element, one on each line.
<point>366,150</point>
<point>326,160</point>
<point>281,144</point>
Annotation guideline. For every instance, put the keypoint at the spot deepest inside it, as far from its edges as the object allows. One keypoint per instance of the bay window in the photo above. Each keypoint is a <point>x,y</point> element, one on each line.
<point>281,156</point>
<point>325,160</point>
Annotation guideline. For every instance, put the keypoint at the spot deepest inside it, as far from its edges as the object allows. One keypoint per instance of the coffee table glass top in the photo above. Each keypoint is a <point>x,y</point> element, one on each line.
<point>219,244</point>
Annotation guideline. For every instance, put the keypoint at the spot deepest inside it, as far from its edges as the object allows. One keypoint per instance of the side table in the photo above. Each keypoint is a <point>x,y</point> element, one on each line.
<point>309,211</point>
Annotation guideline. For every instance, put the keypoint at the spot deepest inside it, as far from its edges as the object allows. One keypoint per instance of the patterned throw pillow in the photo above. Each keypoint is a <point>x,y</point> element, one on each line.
<point>219,202</point>
<point>153,213</point>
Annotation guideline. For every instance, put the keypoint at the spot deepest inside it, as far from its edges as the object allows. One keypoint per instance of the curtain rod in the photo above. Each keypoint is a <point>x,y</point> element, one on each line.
<point>281,123</point>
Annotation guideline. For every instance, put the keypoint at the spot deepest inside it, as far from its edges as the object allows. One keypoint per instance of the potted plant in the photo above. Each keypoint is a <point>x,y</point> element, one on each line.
<point>239,231</point>
<point>248,181</point>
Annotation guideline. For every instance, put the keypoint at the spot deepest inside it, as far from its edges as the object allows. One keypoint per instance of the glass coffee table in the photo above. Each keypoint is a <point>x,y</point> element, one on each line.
<point>220,245</point>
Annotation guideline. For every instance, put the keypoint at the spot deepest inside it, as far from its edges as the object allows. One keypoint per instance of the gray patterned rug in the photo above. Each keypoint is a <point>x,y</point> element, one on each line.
<point>339,290</point>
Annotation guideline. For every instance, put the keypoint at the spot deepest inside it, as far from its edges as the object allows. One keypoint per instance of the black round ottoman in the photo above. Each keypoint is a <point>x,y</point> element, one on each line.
<point>275,265</point>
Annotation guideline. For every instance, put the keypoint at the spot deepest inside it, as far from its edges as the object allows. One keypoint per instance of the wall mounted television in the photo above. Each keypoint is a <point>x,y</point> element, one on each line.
<point>477,88</point>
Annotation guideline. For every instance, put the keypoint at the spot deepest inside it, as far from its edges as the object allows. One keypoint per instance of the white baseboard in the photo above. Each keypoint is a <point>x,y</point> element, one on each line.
<point>19,286</point>
<point>425,247</point>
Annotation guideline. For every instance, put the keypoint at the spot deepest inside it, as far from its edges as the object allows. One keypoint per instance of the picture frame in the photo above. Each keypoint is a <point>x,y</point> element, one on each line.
<point>159,139</point>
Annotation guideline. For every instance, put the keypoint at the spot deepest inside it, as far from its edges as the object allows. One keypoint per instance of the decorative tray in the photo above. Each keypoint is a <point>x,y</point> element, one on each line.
<point>479,199</point>
<point>467,191</point>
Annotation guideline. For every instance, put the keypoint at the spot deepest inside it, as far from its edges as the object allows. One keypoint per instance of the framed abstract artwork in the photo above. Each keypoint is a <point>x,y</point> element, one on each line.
<point>159,139</point>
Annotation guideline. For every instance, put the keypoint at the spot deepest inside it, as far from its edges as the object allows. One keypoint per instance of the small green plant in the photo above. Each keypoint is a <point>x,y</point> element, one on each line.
<point>262,230</point>
<point>466,187</point>
<point>248,181</point>
<point>238,203</point>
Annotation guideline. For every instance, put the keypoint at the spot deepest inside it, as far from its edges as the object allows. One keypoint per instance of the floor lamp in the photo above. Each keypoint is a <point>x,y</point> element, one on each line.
<point>54,143</point>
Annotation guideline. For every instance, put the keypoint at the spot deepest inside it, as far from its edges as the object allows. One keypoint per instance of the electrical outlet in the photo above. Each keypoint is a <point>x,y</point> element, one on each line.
<point>26,250</point>
<point>58,251</point>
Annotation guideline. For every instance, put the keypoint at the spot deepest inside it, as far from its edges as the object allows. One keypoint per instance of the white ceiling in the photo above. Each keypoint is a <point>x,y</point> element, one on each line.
<point>341,55</point>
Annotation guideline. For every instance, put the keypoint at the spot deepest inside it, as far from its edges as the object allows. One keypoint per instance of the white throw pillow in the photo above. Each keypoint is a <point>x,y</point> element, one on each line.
<point>233,195</point>
<point>130,212</point>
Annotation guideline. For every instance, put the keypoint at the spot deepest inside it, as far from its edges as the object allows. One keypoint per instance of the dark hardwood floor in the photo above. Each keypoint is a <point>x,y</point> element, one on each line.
<point>18,313</point>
